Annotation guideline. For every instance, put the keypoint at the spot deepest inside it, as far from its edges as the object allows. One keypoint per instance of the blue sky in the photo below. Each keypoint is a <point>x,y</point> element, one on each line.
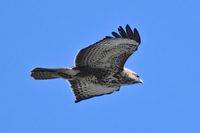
<point>50,33</point>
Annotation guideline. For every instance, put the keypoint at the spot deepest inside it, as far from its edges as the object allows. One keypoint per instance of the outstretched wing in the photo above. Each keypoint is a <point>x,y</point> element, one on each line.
<point>111,52</point>
<point>84,88</point>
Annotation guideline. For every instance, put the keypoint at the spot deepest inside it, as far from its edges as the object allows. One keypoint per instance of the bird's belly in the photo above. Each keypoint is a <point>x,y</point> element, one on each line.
<point>99,76</point>
<point>109,81</point>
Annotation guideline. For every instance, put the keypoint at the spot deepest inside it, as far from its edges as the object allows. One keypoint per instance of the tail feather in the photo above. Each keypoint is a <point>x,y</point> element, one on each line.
<point>52,73</point>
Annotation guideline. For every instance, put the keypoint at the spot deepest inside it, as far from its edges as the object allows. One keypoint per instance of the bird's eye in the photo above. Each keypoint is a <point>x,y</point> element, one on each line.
<point>137,76</point>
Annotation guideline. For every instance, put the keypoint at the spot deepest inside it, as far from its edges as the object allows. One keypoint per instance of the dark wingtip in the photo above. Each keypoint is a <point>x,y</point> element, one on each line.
<point>128,26</point>
<point>122,32</point>
<point>108,37</point>
<point>116,35</point>
<point>129,33</point>
<point>137,36</point>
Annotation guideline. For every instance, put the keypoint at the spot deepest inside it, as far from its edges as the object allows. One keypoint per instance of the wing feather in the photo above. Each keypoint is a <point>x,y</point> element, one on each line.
<point>116,35</point>
<point>129,32</point>
<point>110,53</point>
<point>84,88</point>
<point>137,36</point>
<point>122,32</point>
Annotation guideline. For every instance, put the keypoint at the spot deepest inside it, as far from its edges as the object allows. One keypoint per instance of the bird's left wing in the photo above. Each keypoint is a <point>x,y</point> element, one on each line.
<point>111,52</point>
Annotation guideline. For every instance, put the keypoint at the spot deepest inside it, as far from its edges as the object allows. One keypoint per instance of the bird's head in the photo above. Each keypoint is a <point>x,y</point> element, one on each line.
<point>131,77</point>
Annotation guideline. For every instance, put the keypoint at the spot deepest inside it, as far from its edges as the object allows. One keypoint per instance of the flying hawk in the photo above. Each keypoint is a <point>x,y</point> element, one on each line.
<point>99,68</point>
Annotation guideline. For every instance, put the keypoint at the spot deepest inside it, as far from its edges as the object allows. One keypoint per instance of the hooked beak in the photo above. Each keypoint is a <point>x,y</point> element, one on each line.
<point>141,81</point>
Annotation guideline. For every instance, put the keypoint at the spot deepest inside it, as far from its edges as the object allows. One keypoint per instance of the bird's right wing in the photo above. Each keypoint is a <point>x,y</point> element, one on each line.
<point>111,52</point>
<point>84,88</point>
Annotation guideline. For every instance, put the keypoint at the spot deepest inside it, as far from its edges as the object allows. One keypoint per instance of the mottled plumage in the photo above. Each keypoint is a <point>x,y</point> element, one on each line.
<point>99,68</point>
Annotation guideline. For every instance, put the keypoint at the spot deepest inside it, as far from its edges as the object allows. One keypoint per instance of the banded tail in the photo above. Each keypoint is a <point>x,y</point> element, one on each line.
<point>52,73</point>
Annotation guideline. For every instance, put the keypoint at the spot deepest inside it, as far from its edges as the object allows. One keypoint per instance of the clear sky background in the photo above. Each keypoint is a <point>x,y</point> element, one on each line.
<point>49,33</point>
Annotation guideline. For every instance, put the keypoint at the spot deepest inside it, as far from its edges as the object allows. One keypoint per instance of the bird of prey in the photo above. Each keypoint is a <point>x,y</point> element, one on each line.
<point>99,68</point>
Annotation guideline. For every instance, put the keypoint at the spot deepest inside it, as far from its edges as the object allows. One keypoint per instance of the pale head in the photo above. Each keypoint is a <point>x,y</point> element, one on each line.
<point>131,77</point>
